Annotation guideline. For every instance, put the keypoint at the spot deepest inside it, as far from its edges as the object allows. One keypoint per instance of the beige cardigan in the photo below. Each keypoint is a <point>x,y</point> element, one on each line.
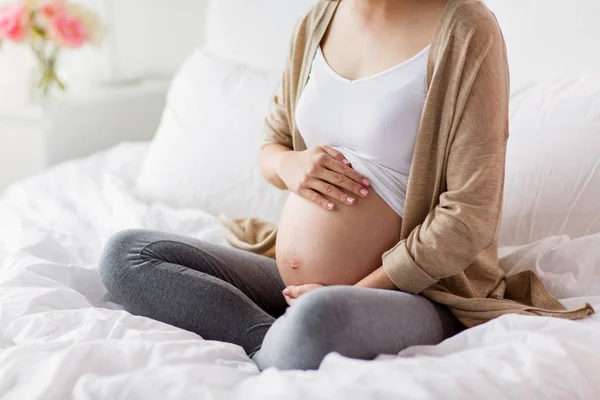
<point>448,247</point>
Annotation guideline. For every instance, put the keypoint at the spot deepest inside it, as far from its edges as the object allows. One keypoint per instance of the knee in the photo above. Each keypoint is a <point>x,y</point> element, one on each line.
<point>118,257</point>
<point>324,310</point>
<point>312,328</point>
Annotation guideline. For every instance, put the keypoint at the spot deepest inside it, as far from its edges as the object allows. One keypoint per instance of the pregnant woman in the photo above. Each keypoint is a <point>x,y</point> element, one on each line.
<point>390,131</point>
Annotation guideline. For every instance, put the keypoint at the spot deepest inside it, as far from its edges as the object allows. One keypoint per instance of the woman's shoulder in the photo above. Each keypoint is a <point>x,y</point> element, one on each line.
<point>472,19</point>
<point>316,12</point>
<point>311,19</point>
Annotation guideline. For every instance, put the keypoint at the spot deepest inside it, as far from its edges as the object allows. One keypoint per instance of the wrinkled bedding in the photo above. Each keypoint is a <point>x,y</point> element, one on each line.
<point>61,337</point>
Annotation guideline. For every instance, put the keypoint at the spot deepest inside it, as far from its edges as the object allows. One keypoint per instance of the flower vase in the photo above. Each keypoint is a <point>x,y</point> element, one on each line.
<point>46,84</point>
<point>47,27</point>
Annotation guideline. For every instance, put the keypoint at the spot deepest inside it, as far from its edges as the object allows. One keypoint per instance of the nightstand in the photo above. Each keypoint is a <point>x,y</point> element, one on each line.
<point>34,137</point>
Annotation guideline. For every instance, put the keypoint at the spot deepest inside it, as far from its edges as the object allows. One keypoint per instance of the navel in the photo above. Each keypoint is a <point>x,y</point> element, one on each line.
<point>294,264</point>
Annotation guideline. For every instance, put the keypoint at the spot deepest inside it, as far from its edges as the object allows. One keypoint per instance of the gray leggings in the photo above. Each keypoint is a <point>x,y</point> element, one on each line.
<point>235,296</point>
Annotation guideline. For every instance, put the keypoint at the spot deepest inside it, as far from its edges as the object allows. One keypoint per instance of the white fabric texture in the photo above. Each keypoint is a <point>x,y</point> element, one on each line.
<point>61,339</point>
<point>553,161</point>
<point>256,33</point>
<point>373,121</point>
<point>206,151</point>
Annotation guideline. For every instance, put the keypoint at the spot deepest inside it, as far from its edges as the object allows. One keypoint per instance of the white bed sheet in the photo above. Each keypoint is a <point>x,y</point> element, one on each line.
<point>60,338</point>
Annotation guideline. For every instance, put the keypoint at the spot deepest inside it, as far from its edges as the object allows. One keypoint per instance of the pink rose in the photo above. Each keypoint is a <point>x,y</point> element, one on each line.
<point>14,23</point>
<point>51,8</point>
<point>67,30</point>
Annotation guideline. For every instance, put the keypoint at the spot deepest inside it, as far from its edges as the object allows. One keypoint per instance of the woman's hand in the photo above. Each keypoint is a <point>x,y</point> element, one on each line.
<point>321,172</point>
<point>291,293</point>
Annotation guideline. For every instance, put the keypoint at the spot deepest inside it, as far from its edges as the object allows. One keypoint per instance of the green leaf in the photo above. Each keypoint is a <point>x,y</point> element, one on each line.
<point>60,84</point>
<point>38,31</point>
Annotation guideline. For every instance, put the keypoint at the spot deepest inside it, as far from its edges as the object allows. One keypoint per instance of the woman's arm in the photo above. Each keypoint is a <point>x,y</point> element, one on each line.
<point>378,279</point>
<point>317,174</point>
<point>466,220</point>
<point>270,160</point>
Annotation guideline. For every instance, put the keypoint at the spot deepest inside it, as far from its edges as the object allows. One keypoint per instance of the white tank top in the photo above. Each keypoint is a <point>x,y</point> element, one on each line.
<point>373,121</point>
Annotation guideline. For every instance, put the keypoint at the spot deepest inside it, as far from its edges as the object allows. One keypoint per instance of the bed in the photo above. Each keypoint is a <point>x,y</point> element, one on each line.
<point>62,336</point>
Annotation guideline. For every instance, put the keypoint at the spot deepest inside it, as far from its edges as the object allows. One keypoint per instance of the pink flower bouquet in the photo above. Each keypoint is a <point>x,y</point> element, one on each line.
<point>48,26</point>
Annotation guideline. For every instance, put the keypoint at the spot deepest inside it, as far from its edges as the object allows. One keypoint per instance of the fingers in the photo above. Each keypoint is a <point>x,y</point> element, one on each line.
<point>289,300</point>
<point>328,162</point>
<point>316,198</point>
<point>330,190</point>
<point>329,176</point>
<point>293,292</point>
<point>335,155</point>
<point>289,294</point>
<point>341,181</point>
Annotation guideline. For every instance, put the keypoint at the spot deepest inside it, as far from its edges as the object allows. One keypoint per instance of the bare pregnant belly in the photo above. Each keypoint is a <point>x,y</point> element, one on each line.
<point>338,247</point>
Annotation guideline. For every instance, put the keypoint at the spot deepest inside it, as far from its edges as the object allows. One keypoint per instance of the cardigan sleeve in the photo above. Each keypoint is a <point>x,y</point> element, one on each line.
<point>278,127</point>
<point>466,220</point>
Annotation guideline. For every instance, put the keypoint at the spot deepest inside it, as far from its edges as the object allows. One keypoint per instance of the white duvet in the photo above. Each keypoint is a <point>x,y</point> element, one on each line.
<point>60,337</point>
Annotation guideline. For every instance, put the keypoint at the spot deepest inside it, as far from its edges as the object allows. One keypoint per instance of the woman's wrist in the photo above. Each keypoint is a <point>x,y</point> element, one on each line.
<point>271,160</point>
<point>378,279</point>
<point>278,160</point>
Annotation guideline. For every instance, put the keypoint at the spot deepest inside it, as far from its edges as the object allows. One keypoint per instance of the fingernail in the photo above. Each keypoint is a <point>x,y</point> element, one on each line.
<point>286,292</point>
<point>346,161</point>
<point>351,200</point>
<point>366,182</point>
<point>330,206</point>
<point>364,192</point>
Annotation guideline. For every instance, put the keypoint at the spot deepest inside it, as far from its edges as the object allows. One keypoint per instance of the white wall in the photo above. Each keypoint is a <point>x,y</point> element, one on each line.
<point>146,37</point>
<point>256,33</point>
<point>550,38</point>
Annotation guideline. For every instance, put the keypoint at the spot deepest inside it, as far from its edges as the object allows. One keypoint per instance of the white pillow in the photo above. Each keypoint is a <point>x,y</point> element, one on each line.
<point>549,38</point>
<point>256,33</point>
<point>206,151</point>
<point>553,161</point>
